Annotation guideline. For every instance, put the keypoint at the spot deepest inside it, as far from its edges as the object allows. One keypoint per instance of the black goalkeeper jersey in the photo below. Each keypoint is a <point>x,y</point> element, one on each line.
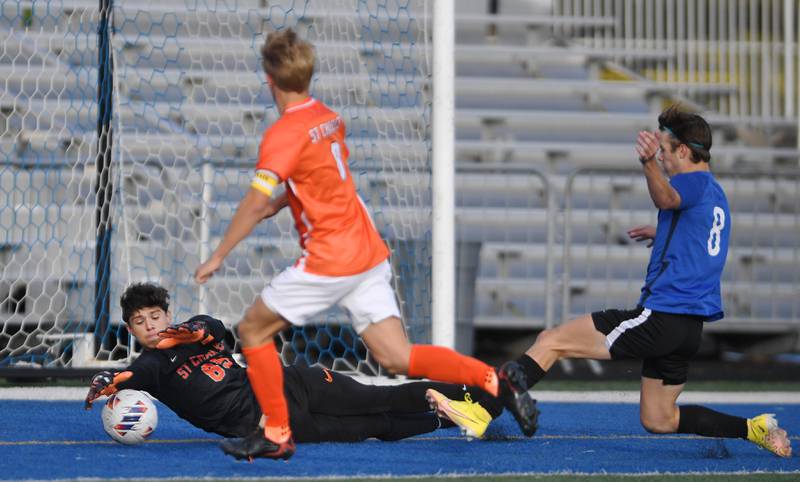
<point>203,384</point>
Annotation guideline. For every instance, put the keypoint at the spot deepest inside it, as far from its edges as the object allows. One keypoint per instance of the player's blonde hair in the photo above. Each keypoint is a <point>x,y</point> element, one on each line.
<point>288,60</point>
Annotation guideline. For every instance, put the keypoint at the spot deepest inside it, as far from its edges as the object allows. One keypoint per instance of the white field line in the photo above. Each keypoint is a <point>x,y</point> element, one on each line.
<point>589,396</point>
<point>426,439</point>
<point>610,396</point>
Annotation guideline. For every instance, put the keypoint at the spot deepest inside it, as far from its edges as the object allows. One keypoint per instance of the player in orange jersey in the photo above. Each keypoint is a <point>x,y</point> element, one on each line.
<point>344,260</point>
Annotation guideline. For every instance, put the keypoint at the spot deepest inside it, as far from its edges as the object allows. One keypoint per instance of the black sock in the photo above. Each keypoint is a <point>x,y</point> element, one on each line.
<point>533,371</point>
<point>709,423</point>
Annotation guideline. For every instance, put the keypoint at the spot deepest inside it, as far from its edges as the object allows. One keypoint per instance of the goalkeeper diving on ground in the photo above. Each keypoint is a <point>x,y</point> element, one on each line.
<point>188,367</point>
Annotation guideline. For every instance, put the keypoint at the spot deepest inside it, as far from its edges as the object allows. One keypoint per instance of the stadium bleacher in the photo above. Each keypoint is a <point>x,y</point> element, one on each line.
<point>190,92</point>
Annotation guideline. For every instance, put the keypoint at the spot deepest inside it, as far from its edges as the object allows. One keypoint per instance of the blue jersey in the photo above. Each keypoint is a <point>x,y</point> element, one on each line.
<point>689,251</point>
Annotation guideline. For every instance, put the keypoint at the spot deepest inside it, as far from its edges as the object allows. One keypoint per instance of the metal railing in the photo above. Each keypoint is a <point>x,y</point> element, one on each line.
<point>511,211</point>
<point>749,45</point>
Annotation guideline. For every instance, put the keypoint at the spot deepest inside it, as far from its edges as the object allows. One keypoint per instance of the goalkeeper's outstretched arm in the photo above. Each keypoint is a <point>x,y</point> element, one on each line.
<point>199,328</point>
<point>106,383</point>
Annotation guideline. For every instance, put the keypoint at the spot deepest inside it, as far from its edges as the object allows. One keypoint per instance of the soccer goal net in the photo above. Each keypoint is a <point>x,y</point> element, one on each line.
<point>129,134</point>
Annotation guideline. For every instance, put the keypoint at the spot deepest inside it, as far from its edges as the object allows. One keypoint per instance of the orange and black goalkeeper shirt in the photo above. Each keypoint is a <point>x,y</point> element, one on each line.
<point>203,384</point>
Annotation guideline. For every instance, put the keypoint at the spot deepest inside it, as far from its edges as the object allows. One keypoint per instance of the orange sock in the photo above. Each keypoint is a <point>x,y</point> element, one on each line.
<point>265,372</point>
<point>446,365</point>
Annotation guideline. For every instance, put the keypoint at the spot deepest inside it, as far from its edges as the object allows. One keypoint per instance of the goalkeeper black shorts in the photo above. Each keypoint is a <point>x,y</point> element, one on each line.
<point>665,342</point>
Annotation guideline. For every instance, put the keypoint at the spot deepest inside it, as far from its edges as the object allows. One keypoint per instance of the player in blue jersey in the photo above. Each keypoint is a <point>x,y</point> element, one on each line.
<point>680,294</point>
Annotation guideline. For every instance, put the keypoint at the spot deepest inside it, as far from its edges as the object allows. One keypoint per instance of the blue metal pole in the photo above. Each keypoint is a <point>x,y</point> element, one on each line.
<point>104,180</point>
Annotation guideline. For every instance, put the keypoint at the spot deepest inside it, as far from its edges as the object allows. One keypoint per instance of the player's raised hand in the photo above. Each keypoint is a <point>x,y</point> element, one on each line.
<point>207,270</point>
<point>105,383</point>
<point>643,233</point>
<point>647,146</point>
<point>182,333</point>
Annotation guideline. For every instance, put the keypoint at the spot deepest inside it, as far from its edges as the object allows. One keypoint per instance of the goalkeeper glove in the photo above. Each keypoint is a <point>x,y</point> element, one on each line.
<point>105,383</point>
<point>190,331</point>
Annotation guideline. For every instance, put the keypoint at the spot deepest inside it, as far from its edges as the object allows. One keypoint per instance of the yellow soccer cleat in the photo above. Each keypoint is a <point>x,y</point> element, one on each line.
<point>470,416</point>
<point>763,431</point>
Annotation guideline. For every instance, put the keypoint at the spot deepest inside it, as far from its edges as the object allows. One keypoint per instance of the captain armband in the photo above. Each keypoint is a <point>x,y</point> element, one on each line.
<point>264,181</point>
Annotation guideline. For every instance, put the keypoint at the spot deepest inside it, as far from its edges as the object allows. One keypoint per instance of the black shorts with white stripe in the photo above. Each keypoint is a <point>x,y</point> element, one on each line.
<point>665,342</point>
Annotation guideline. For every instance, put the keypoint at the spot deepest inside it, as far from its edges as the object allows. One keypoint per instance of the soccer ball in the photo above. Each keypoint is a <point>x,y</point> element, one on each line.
<point>129,417</point>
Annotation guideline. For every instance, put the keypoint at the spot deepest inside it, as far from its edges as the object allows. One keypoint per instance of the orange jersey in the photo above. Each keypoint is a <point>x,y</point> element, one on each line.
<point>306,149</point>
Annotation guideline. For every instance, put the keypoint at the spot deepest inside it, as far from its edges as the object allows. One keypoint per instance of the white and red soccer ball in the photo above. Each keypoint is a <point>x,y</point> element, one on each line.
<point>129,417</point>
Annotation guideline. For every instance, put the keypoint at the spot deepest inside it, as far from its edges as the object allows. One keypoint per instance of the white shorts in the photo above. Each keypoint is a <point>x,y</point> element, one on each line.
<point>368,296</point>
